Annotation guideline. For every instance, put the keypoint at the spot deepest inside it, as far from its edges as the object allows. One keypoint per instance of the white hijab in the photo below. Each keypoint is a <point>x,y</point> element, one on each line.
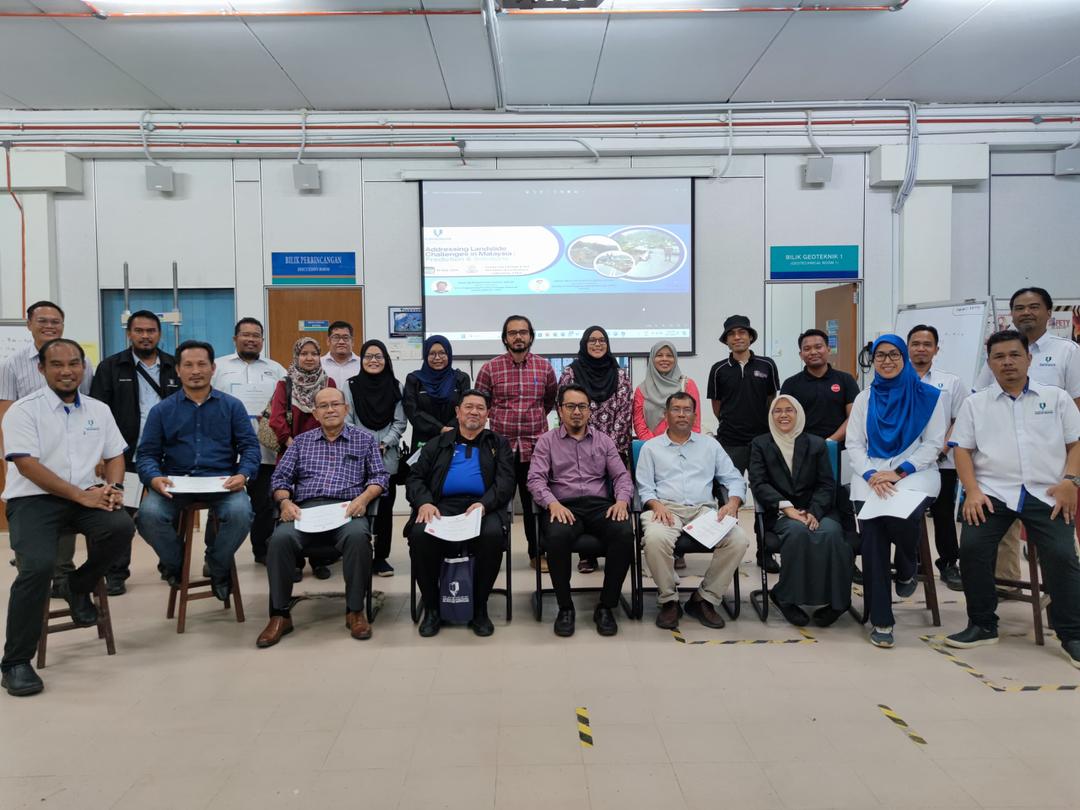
<point>786,441</point>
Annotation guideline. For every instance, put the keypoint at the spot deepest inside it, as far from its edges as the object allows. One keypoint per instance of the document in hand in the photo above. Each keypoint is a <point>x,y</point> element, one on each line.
<point>193,484</point>
<point>133,490</point>
<point>900,504</point>
<point>709,531</point>
<point>323,518</point>
<point>456,528</point>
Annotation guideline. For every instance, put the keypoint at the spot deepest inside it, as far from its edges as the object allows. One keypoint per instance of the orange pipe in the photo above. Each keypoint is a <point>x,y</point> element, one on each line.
<point>179,15</point>
<point>22,223</point>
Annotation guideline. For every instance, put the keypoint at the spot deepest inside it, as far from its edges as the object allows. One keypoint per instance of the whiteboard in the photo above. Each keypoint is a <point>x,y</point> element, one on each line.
<point>13,336</point>
<point>962,328</point>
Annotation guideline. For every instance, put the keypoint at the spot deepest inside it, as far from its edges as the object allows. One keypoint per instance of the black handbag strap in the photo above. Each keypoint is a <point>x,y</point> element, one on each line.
<point>288,402</point>
<point>142,372</point>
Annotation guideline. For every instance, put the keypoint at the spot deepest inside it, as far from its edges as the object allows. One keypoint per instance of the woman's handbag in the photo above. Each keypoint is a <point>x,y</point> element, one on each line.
<point>267,437</point>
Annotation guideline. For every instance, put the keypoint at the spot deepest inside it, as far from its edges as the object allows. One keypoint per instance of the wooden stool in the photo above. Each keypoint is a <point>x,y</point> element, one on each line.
<point>925,573</point>
<point>184,590</point>
<point>1035,596</point>
<point>104,623</point>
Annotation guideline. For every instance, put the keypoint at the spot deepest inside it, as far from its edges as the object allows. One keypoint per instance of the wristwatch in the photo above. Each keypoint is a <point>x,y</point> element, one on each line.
<point>901,472</point>
<point>1074,478</point>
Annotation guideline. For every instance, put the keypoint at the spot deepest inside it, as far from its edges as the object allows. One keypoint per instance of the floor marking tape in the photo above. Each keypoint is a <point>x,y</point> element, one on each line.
<point>936,644</point>
<point>806,639</point>
<point>584,730</point>
<point>899,723</point>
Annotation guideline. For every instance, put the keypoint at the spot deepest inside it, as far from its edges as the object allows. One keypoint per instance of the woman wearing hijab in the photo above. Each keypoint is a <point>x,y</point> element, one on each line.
<point>663,377</point>
<point>432,393</point>
<point>895,431</point>
<point>792,479</point>
<point>374,399</point>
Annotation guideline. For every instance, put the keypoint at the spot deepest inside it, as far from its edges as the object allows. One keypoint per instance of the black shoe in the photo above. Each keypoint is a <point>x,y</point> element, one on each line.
<point>83,612</point>
<point>972,636</point>
<point>856,576</point>
<point>382,568</point>
<point>21,680</point>
<point>115,585</point>
<point>297,574</point>
<point>260,559</point>
<point>564,622</point>
<point>206,570</point>
<point>825,616</point>
<point>222,587</point>
<point>57,589</point>
<point>586,565</point>
<point>950,575</point>
<point>1072,651</point>
<point>430,624</point>
<point>321,571</point>
<point>481,623</point>
<point>171,577</point>
<point>605,621</point>
<point>793,613</point>
<point>770,564</point>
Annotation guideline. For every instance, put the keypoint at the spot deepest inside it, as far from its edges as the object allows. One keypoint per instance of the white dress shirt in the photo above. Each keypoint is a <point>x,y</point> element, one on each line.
<point>953,392</point>
<point>232,371</point>
<point>20,376</point>
<point>1054,361</point>
<point>921,454</point>
<point>69,439</point>
<point>341,372</point>
<point>1018,444</point>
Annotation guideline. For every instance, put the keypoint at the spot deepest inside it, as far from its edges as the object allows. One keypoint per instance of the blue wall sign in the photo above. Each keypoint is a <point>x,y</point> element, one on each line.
<point>313,268</point>
<point>813,262</point>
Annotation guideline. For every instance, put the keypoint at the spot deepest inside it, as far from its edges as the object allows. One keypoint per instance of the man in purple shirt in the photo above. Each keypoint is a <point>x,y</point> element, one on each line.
<point>573,474</point>
<point>336,464</point>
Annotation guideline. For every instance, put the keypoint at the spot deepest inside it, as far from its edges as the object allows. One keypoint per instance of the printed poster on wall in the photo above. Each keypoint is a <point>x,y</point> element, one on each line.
<point>813,262</point>
<point>313,268</point>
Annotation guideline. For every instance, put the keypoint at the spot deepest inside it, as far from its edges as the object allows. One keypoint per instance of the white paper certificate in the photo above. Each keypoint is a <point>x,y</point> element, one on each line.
<point>900,504</point>
<point>193,485</point>
<point>323,518</point>
<point>709,531</point>
<point>255,396</point>
<point>133,490</point>
<point>456,528</point>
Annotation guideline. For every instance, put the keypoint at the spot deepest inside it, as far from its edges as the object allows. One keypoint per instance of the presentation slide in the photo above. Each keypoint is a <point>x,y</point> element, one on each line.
<point>565,253</point>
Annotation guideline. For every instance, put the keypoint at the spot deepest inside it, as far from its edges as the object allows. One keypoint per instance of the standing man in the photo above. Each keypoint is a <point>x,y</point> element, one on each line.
<point>922,343</point>
<point>741,389</point>
<point>251,378</point>
<point>577,475</point>
<point>132,382</point>
<point>1018,457</point>
<point>522,390</point>
<point>825,393</point>
<point>21,374</point>
<point>1054,361</point>
<point>198,432</point>
<point>340,363</point>
<point>55,440</point>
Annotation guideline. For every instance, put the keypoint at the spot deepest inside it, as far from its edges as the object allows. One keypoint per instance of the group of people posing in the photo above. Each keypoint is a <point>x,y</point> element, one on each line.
<point>331,427</point>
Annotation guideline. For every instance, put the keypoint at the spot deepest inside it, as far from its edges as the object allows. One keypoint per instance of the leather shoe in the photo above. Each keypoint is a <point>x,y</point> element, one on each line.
<point>21,680</point>
<point>222,588</point>
<point>793,613</point>
<point>277,627</point>
<point>770,564</point>
<point>704,612</point>
<point>171,577</point>
<point>297,574</point>
<point>668,617</point>
<point>825,616</point>
<point>680,562</point>
<point>430,624</point>
<point>564,622</point>
<point>115,585</point>
<point>481,622</point>
<point>321,571</point>
<point>605,621</point>
<point>359,627</point>
<point>83,612</point>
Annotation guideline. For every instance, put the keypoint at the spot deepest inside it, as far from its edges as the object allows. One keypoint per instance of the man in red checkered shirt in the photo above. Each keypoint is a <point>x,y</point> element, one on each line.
<point>522,389</point>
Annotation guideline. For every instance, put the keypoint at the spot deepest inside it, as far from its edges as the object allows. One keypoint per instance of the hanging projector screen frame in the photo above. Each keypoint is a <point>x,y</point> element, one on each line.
<point>467,354</point>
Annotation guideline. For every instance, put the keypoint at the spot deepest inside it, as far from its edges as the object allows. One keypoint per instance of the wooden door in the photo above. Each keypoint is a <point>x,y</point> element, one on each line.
<point>836,313</point>
<point>296,312</point>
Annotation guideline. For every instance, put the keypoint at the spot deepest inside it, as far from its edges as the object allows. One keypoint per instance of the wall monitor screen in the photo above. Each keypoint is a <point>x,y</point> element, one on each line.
<point>565,253</point>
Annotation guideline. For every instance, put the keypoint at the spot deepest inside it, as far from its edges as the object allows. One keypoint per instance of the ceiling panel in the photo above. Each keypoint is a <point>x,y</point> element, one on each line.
<point>52,6</point>
<point>465,58</point>
<point>1060,84</point>
<point>550,61</point>
<point>48,67</point>
<point>849,55</point>
<point>194,64</point>
<point>370,63</point>
<point>999,50</point>
<point>681,58</point>
<point>7,102</point>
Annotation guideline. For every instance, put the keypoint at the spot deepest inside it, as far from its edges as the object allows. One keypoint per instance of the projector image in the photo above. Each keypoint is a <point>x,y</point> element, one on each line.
<point>1067,161</point>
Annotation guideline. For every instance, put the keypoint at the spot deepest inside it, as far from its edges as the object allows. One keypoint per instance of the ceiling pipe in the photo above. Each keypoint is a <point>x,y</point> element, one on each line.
<point>623,12</point>
<point>491,25</point>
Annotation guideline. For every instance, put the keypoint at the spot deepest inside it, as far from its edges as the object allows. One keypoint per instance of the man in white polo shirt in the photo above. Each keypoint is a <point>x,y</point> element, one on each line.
<point>251,378</point>
<point>1018,457</point>
<point>54,438</point>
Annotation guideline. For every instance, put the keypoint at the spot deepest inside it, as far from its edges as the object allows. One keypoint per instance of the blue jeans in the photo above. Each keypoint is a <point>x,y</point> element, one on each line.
<point>157,522</point>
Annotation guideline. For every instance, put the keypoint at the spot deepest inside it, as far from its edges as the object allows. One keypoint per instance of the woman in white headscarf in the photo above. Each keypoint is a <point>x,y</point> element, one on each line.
<point>792,480</point>
<point>663,377</point>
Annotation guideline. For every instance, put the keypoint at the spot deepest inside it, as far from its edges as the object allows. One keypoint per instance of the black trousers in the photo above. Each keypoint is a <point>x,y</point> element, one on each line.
<point>739,455</point>
<point>521,477</point>
<point>877,535</point>
<point>264,509</point>
<point>384,521</point>
<point>36,522</point>
<point>944,524</point>
<point>617,537</point>
<point>427,553</point>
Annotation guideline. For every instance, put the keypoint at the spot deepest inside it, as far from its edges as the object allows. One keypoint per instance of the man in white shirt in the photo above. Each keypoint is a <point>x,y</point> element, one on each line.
<point>251,378</point>
<point>55,439</point>
<point>922,343</point>
<point>340,363</point>
<point>1018,457</point>
<point>1054,361</point>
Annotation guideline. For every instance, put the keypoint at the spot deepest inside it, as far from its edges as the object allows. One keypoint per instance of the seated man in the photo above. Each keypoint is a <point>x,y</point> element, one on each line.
<point>675,476</point>
<point>460,470</point>
<point>1018,457</point>
<point>199,432</point>
<point>54,439</point>
<point>574,472</point>
<point>335,463</point>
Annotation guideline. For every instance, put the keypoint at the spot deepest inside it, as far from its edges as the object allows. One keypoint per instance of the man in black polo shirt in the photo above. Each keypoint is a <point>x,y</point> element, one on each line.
<point>825,393</point>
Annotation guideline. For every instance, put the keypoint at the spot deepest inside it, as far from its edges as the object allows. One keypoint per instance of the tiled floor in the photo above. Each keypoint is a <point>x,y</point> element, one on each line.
<point>205,720</point>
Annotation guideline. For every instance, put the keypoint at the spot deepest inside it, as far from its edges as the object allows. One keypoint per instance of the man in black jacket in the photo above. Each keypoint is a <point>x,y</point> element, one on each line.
<point>132,382</point>
<point>459,471</point>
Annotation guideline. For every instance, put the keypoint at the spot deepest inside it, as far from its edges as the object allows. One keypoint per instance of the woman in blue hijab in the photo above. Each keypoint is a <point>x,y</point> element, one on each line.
<point>432,393</point>
<point>895,432</point>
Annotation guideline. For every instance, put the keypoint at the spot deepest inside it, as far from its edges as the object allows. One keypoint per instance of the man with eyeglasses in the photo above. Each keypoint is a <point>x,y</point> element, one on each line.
<point>340,362</point>
<point>339,463</point>
<point>251,378</point>
<point>20,375</point>
<point>522,388</point>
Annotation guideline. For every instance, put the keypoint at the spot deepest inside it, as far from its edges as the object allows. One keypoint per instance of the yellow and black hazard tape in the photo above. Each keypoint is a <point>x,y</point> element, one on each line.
<point>806,639</point>
<point>935,644</point>
<point>584,730</point>
<point>898,721</point>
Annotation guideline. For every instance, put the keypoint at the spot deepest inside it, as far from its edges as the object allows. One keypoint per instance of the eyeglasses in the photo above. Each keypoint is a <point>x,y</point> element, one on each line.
<point>325,406</point>
<point>681,411</point>
<point>881,357</point>
<point>340,338</point>
<point>596,342</point>
<point>518,333</point>
<point>575,407</point>
<point>250,335</point>
<point>374,358</point>
<point>437,356</point>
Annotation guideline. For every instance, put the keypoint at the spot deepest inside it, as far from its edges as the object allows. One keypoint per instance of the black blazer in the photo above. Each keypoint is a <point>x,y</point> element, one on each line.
<point>811,486</point>
<point>427,415</point>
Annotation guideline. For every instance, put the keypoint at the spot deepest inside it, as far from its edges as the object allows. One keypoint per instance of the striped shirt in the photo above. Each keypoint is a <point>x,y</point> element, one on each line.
<point>521,396</point>
<point>19,374</point>
<point>314,467</point>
